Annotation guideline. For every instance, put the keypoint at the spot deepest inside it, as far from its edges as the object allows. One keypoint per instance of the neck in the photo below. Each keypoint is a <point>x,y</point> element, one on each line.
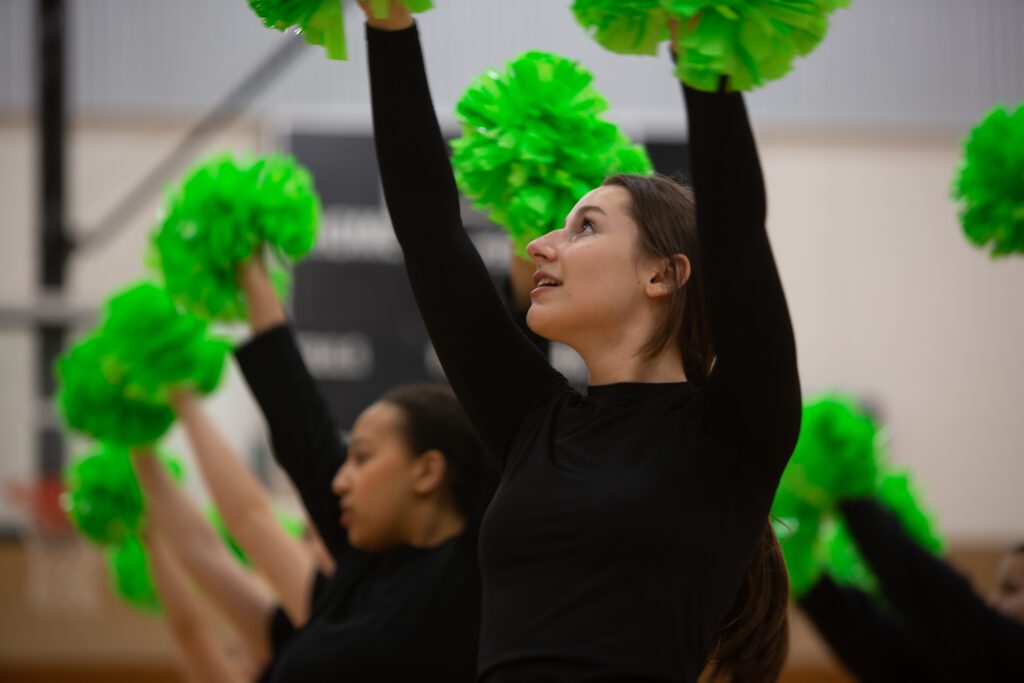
<point>433,524</point>
<point>611,359</point>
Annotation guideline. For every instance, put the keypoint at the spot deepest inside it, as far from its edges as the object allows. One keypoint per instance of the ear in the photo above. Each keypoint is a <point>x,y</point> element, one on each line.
<point>430,471</point>
<point>661,281</point>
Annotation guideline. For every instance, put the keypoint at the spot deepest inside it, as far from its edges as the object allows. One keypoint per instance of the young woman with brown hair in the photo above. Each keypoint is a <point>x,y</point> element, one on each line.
<point>629,537</point>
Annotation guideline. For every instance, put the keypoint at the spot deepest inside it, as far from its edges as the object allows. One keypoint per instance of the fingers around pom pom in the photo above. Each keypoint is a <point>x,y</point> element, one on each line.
<point>223,212</point>
<point>748,42</point>
<point>533,142</point>
<point>990,182</point>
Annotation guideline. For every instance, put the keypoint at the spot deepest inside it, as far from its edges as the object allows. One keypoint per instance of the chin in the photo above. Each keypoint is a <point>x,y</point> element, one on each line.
<point>540,322</point>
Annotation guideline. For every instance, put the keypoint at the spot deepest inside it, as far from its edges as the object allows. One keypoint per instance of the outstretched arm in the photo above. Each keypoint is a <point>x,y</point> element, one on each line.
<point>494,370</point>
<point>938,604</point>
<point>866,640</point>
<point>245,507</point>
<point>201,657</point>
<point>754,389</point>
<point>199,550</point>
<point>306,442</point>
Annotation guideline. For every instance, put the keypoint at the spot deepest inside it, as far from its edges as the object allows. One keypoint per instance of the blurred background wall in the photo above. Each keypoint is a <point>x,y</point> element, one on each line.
<point>859,146</point>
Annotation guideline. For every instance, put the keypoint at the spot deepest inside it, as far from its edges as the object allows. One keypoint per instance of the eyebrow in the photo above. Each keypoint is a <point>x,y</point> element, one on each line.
<point>591,207</point>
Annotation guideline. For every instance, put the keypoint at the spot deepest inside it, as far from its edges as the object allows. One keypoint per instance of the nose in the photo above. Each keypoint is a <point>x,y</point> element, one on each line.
<point>342,482</point>
<point>542,250</point>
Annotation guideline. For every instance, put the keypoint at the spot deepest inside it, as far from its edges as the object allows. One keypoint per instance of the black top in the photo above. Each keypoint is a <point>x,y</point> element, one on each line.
<point>935,628</point>
<point>409,614</point>
<point>625,519</point>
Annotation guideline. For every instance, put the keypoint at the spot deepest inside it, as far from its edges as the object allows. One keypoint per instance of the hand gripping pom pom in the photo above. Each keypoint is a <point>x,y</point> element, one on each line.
<point>837,454</point>
<point>990,183</point>
<point>750,42</point>
<point>103,498</point>
<point>533,143</point>
<point>130,575</point>
<point>221,215</point>
<point>321,22</point>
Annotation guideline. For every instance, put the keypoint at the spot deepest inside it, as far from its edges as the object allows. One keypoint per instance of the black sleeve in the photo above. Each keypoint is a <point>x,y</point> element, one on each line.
<point>494,370</point>
<point>937,604</point>
<point>281,629</point>
<point>306,442</point>
<point>754,389</point>
<point>870,643</point>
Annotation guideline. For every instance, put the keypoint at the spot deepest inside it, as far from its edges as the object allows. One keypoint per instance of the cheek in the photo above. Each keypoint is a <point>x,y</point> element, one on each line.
<point>378,499</point>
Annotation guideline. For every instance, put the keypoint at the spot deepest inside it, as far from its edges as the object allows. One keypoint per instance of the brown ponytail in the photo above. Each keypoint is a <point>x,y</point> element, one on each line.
<point>752,642</point>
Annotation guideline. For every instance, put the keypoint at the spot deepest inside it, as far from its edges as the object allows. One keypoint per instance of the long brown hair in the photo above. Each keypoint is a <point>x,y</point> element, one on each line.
<point>752,641</point>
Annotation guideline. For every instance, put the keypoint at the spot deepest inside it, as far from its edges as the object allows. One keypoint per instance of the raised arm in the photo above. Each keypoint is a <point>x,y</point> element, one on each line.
<point>754,389</point>
<point>493,368</point>
<point>245,507</point>
<point>201,657</point>
<point>868,642</point>
<point>305,440</point>
<point>200,552</point>
<point>938,604</point>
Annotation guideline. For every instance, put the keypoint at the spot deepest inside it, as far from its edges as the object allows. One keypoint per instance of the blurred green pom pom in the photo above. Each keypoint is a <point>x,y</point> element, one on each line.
<point>130,575</point>
<point>159,347</point>
<point>223,212</point>
<point>990,182</point>
<point>533,142</point>
<point>634,27</point>
<point>750,42</point>
<point>321,22</point>
<point>103,498</point>
<point>93,398</point>
<point>836,456</point>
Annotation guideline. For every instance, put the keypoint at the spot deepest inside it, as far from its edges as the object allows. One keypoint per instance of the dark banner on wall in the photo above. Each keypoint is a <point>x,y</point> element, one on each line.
<point>352,306</point>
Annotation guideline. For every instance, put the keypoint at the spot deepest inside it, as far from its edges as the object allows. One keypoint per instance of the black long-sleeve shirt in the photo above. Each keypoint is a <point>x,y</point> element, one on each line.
<point>625,519</point>
<point>936,627</point>
<point>408,614</point>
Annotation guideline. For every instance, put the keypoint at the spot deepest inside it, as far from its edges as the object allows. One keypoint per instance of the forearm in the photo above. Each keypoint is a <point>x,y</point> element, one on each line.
<point>246,509</point>
<point>202,555</point>
<point>265,309</point>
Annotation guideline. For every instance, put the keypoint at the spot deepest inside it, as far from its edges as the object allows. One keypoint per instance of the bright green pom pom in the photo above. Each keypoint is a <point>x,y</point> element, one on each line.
<point>990,182</point>
<point>103,498</point>
<point>836,456</point>
<point>93,399</point>
<point>130,575</point>
<point>800,547</point>
<point>222,213</point>
<point>749,41</point>
<point>533,143</point>
<point>160,348</point>
<point>625,26</point>
<point>320,21</point>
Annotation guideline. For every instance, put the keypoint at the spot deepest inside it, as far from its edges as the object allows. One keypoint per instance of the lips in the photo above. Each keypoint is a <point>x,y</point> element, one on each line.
<point>544,281</point>
<point>346,517</point>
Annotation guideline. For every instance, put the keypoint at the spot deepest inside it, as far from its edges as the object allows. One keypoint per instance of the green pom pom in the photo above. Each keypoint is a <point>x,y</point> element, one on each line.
<point>223,212</point>
<point>625,26</point>
<point>749,41</point>
<point>93,399</point>
<point>533,143</point>
<point>843,561</point>
<point>321,22</point>
<point>990,182</point>
<point>800,547</point>
<point>103,498</point>
<point>160,348</point>
<point>131,578</point>
<point>836,456</point>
